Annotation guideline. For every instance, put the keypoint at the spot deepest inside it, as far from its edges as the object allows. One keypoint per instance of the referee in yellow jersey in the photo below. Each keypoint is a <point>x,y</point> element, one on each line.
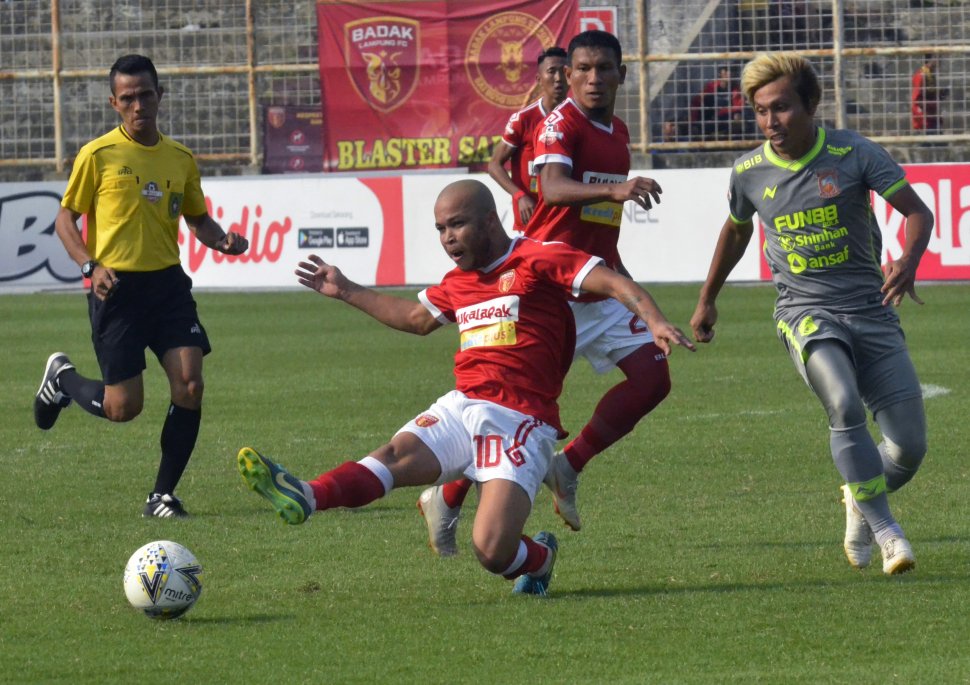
<point>133,183</point>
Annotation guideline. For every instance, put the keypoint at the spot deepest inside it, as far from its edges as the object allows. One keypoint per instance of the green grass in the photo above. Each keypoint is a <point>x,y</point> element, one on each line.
<point>710,553</point>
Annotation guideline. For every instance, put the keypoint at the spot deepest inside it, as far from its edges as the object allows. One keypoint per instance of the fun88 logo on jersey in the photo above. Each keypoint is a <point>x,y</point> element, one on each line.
<point>30,251</point>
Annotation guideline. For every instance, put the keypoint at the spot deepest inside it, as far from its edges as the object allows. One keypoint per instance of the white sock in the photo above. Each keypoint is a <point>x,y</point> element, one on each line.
<point>520,556</point>
<point>308,494</point>
<point>379,470</point>
<point>891,531</point>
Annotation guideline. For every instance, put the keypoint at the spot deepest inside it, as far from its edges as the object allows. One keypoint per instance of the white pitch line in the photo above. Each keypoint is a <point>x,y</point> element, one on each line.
<point>930,391</point>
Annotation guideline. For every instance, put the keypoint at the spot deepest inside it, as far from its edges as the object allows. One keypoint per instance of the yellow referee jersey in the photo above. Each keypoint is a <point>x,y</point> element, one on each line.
<point>133,196</point>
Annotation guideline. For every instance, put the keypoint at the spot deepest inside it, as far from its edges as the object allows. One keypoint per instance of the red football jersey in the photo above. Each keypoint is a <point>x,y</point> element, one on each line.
<point>520,134</point>
<point>596,154</point>
<point>517,331</point>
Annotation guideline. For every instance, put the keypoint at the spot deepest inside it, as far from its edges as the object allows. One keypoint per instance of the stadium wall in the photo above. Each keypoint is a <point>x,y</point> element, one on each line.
<point>379,230</point>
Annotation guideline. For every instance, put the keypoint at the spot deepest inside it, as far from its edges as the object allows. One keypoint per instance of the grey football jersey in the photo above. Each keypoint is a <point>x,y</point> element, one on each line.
<point>822,242</point>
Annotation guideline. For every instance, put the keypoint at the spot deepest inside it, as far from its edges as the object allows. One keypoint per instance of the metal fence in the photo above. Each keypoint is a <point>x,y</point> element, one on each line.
<point>867,53</point>
<point>222,63</point>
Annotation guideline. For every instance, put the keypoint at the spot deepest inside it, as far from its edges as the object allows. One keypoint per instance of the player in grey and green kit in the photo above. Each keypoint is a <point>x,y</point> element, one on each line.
<point>810,186</point>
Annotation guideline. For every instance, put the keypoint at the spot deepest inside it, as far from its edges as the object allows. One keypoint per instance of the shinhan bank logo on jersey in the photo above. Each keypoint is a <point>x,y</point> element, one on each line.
<point>770,192</point>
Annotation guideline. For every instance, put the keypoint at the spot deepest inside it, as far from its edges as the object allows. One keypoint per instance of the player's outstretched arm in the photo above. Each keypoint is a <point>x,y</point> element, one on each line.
<point>394,312</point>
<point>558,187</point>
<point>731,245</point>
<point>210,234</point>
<point>901,273</point>
<point>605,281</point>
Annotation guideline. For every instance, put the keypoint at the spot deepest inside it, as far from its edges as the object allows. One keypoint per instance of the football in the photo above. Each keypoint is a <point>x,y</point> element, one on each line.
<point>163,579</point>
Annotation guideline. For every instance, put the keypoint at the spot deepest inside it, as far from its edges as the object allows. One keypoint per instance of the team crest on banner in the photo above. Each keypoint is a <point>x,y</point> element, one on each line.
<point>276,117</point>
<point>500,52</point>
<point>382,58</point>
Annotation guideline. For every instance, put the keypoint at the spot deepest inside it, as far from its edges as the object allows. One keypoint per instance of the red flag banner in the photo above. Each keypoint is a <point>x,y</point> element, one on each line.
<point>429,84</point>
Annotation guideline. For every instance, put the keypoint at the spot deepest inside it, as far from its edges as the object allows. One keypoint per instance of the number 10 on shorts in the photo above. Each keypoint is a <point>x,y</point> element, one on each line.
<point>489,451</point>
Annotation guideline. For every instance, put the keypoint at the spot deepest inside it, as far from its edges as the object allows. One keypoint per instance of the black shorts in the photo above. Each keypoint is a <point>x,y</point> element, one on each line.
<point>147,309</point>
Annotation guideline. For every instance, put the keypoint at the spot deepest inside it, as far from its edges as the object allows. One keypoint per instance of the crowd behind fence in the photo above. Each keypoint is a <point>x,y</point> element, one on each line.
<point>223,63</point>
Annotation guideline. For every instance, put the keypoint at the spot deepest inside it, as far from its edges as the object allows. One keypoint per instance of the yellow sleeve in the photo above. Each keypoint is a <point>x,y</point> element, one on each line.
<point>83,183</point>
<point>194,203</point>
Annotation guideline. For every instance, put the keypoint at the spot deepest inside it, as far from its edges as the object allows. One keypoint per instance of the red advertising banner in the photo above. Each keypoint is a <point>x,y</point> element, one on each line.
<point>945,188</point>
<point>429,84</point>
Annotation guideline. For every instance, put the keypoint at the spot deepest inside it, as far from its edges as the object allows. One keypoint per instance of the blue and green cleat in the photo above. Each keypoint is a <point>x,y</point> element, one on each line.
<point>529,585</point>
<point>283,490</point>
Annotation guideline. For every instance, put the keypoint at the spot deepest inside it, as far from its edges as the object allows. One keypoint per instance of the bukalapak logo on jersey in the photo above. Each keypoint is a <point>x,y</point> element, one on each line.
<point>381,54</point>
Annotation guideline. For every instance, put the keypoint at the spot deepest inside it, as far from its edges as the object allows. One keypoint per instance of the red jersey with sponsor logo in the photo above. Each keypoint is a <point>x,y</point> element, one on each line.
<point>595,153</point>
<point>520,134</point>
<point>517,331</point>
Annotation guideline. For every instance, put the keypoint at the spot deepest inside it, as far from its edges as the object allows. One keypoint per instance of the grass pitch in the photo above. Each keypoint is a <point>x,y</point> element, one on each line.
<point>710,551</point>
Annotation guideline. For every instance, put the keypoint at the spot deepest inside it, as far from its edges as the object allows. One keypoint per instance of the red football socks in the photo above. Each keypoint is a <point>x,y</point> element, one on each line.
<point>535,559</point>
<point>455,491</point>
<point>348,485</point>
<point>622,407</point>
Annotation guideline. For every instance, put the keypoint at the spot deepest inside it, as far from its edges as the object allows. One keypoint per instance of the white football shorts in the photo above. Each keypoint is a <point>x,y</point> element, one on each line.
<point>606,332</point>
<point>483,440</point>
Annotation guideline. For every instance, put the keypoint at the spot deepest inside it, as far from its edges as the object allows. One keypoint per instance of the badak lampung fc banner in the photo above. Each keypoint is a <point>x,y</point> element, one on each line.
<point>427,84</point>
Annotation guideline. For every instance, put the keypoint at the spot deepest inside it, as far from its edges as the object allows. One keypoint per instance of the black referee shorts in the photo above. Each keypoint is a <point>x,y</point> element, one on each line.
<point>147,309</point>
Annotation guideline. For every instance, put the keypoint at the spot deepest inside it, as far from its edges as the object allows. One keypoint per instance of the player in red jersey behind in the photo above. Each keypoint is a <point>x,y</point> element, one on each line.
<point>509,298</point>
<point>518,141</point>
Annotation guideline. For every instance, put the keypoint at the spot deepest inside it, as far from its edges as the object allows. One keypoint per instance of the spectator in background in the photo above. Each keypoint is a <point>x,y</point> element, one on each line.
<point>671,131</point>
<point>926,97</point>
<point>717,112</point>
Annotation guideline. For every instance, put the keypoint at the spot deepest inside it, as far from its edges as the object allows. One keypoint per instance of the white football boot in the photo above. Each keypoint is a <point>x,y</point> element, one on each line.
<point>858,535</point>
<point>442,521</point>
<point>897,556</point>
<point>563,481</point>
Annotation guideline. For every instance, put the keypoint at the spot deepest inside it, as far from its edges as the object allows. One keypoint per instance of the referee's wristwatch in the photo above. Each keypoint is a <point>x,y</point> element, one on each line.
<point>87,269</point>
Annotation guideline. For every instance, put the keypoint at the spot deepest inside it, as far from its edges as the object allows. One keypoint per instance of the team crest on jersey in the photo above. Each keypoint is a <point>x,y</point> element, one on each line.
<point>426,420</point>
<point>175,204</point>
<point>506,281</point>
<point>550,134</point>
<point>382,58</point>
<point>828,183</point>
<point>151,192</point>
